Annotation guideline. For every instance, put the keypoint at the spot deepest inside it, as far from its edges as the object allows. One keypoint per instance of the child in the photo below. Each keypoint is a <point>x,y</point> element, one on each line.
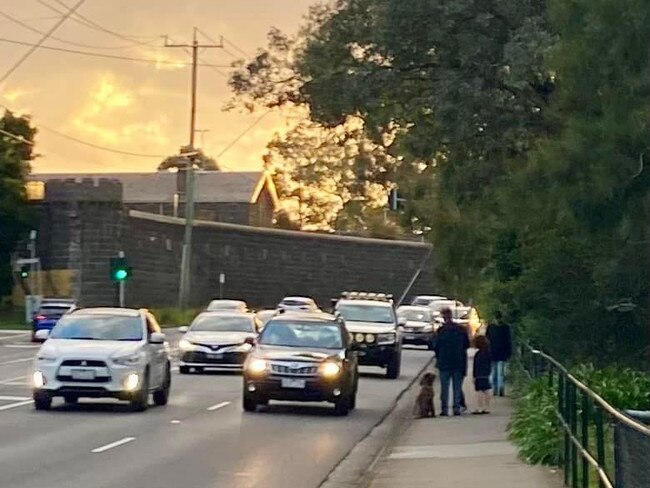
<point>482,371</point>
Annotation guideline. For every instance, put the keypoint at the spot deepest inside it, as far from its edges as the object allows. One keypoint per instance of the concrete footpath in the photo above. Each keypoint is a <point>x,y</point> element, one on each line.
<point>471,451</point>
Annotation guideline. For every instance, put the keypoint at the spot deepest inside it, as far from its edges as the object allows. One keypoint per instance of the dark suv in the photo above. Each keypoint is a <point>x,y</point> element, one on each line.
<point>305,357</point>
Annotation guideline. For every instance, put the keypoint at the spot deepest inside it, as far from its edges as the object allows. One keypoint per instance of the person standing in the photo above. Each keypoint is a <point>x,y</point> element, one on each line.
<point>481,372</point>
<point>500,339</point>
<point>451,360</point>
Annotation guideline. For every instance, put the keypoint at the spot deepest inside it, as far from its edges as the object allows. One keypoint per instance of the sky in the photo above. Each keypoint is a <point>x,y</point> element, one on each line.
<point>138,107</point>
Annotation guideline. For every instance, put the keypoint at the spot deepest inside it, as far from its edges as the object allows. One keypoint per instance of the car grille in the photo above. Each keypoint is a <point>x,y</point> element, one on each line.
<point>288,370</point>
<point>216,347</point>
<point>96,379</point>
<point>84,362</point>
<point>201,357</point>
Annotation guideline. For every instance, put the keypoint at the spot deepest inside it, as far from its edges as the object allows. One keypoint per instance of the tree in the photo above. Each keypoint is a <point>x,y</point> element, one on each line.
<point>16,153</point>
<point>198,158</point>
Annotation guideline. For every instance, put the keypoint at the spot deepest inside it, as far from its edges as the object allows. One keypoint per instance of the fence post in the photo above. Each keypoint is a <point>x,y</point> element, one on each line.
<point>564,401</point>
<point>600,441</point>
<point>584,420</point>
<point>574,433</point>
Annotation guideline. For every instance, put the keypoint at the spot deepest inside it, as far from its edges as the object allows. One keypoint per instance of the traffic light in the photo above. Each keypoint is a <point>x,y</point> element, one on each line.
<point>120,269</point>
<point>24,271</point>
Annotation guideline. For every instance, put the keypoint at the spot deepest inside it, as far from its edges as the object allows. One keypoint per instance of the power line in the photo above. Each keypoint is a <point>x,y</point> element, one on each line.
<point>236,47</point>
<point>40,42</point>
<point>107,56</point>
<point>239,137</point>
<point>38,31</point>
<point>89,23</point>
<point>36,19</point>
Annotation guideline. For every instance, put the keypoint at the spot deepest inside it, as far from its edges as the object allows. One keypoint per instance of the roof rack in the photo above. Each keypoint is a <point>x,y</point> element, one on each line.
<point>364,295</point>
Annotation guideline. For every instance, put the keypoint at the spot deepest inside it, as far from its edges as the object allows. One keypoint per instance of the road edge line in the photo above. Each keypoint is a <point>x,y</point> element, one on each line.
<point>356,466</point>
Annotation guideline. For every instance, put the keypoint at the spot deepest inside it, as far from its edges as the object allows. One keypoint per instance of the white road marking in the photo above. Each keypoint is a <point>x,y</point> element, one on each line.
<point>13,336</point>
<point>126,440</point>
<point>13,331</point>
<point>13,398</point>
<point>175,422</point>
<point>22,346</point>
<point>14,361</point>
<point>11,381</point>
<point>14,405</point>
<point>218,406</point>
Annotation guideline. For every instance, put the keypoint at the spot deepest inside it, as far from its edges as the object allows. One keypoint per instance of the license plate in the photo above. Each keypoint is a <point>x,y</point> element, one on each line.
<point>291,383</point>
<point>409,336</point>
<point>82,374</point>
<point>216,355</point>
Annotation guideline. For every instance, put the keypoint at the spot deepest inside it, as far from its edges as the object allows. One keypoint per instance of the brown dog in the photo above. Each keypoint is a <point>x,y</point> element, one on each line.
<point>424,402</point>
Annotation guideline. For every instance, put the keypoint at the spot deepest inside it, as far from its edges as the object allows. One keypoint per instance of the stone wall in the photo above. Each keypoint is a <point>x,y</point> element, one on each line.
<point>83,224</point>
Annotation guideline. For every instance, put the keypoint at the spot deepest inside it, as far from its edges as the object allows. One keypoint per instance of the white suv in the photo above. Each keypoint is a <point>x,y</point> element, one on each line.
<point>103,353</point>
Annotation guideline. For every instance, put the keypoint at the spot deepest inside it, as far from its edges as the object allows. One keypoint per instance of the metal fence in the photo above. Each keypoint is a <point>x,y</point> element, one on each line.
<point>599,445</point>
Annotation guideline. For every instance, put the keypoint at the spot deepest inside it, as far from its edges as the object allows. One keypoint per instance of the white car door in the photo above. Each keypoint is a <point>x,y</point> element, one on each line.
<point>158,354</point>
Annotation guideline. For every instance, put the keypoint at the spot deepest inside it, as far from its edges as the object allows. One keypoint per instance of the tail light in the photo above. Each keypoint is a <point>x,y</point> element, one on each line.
<point>40,317</point>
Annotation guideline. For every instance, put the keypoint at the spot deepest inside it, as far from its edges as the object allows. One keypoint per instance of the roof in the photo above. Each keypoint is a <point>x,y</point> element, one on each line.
<point>305,317</point>
<point>126,312</point>
<point>160,186</point>
<point>365,303</point>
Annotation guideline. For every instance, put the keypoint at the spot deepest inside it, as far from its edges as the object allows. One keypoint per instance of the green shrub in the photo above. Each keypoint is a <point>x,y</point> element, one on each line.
<point>534,428</point>
<point>623,388</point>
<point>174,317</point>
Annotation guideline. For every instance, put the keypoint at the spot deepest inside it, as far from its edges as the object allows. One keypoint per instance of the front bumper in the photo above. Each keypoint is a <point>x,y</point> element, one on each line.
<point>377,355</point>
<point>108,382</point>
<point>316,389</point>
<point>418,338</point>
<point>227,360</point>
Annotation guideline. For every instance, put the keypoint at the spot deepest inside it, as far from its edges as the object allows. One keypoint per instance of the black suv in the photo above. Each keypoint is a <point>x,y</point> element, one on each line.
<point>306,357</point>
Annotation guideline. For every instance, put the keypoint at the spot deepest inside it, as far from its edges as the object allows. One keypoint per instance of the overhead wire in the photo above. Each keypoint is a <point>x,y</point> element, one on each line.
<point>236,47</point>
<point>44,38</point>
<point>240,136</point>
<point>107,56</point>
<point>25,25</point>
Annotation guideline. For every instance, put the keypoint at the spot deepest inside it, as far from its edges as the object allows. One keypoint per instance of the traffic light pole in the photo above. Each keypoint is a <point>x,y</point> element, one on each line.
<point>121,285</point>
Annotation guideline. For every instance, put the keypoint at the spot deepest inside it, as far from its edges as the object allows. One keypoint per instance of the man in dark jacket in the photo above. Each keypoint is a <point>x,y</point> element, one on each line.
<point>498,333</point>
<point>451,356</point>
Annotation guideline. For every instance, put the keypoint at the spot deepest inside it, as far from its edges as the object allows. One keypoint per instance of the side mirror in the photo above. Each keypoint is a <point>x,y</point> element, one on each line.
<point>157,338</point>
<point>42,334</point>
<point>250,341</point>
<point>183,329</point>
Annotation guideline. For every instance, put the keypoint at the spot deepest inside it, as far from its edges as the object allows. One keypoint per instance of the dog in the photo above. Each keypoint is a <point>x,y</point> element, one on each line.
<point>424,401</point>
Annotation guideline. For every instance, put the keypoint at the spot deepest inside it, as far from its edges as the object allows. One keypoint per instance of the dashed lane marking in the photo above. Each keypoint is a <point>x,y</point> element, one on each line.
<point>112,445</point>
<point>12,336</point>
<point>217,406</point>
<point>8,398</point>
<point>15,405</point>
<point>14,361</point>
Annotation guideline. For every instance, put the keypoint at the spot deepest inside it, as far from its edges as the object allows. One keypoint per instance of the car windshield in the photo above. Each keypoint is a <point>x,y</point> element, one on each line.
<point>366,313</point>
<point>422,301</point>
<point>437,306</point>
<point>295,303</point>
<point>99,327</point>
<point>319,335</point>
<point>226,305</point>
<point>216,323</point>
<point>415,315</point>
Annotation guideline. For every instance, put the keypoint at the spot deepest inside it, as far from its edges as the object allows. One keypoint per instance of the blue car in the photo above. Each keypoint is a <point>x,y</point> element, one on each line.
<point>49,313</point>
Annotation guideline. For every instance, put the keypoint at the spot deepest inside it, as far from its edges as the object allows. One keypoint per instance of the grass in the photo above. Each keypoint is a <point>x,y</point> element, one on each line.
<point>13,318</point>
<point>174,317</point>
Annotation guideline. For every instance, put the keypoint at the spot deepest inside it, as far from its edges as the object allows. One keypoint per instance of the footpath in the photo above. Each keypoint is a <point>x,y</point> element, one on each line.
<point>471,451</point>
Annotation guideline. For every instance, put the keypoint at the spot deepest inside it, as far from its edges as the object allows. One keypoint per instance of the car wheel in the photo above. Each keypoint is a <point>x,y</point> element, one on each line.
<point>184,369</point>
<point>71,399</point>
<point>42,401</point>
<point>393,369</point>
<point>161,397</point>
<point>198,370</point>
<point>140,402</point>
<point>249,403</point>
<point>343,405</point>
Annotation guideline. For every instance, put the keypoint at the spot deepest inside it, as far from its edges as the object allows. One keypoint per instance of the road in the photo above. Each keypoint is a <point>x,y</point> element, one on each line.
<point>200,439</point>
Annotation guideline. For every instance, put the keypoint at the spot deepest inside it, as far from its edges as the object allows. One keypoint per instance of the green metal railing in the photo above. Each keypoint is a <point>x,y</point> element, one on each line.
<point>587,422</point>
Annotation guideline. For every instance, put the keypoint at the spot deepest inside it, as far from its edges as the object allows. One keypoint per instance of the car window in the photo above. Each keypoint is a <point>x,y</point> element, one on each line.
<point>366,313</point>
<point>98,327</point>
<point>422,301</point>
<point>320,335</point>
<point>53,311</point>
<point>220,323</point>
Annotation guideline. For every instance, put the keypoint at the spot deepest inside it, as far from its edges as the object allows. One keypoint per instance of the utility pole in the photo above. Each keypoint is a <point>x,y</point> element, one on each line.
<point>186,258</point>
<point>202,132</point>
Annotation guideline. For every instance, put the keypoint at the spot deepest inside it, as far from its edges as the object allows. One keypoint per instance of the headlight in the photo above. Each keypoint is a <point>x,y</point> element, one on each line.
<point>359,337</point>
<point>131,382</point>
<point>329,369</point>
<point>370,338</point>
<point>38,379</point>
<point>257,366</point>
<point>388,338</point>
<point>427,328</point>
<point>245,347</point>
<point>130,360</point>
<point>185,345</point>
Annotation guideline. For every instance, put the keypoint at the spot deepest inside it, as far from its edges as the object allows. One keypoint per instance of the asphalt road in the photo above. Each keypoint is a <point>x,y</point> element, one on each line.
<point>201,439</point>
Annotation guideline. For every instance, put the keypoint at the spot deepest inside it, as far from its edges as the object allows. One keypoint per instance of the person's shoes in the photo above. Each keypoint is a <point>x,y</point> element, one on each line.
<point>477,412</point>
<point>502,393</point>
<point>463,409</point>
<point>444,414</point>
<point>457,414</point>
<point>485,412</point>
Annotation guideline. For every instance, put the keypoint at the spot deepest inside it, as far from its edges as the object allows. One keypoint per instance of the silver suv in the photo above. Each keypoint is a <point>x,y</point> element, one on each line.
<point>103,353</point>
